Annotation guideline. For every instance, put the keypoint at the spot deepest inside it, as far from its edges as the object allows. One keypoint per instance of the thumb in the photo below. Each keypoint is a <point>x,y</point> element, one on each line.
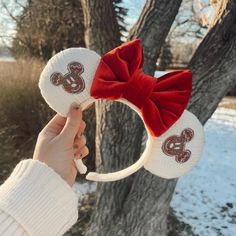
<point>73,123</point>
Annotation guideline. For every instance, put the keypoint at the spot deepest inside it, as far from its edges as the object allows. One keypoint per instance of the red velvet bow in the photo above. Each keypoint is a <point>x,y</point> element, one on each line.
<point>161,100</point>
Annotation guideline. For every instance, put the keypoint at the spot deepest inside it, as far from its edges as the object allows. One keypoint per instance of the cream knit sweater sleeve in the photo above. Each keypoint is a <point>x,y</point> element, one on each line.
<point>36,201</point>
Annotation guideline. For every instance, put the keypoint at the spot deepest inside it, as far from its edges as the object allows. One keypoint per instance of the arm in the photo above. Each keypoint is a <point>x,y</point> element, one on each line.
<point>37,198</point>
<point>9,226</point>
<point>37,201</point>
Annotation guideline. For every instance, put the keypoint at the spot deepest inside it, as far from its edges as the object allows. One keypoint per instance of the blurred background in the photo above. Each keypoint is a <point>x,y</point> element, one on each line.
<point>195,34</point>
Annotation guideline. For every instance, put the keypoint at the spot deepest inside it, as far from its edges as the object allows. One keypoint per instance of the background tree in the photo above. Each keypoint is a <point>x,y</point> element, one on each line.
<point>45,28</point>
<point>113,13</point>
<point>192,21</point>
<point>139,205</point>
<point>166,57</point>
<point>122,127</point>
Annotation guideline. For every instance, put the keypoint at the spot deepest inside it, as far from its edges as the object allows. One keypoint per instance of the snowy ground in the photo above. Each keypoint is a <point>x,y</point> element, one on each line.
<point>84,188</point>
<point>206,197</point>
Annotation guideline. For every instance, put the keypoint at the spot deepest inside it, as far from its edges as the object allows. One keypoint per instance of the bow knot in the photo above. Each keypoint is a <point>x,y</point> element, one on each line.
<point>161,100</point>
<point>138,89</point>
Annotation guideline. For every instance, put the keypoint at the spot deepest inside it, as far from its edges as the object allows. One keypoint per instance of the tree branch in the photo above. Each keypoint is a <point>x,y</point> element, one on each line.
<point>9,12</point>
<point>152,28</point>
<point>213,64</point>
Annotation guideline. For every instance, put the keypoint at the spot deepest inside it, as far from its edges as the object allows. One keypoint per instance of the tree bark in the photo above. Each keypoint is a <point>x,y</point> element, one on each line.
<point>120,133</point>
<point>102,29</point>
<point>152,28</point>
<point>214,72</point>
<point>139,205</point>
<point>100,37</point>
<point>213,63</point>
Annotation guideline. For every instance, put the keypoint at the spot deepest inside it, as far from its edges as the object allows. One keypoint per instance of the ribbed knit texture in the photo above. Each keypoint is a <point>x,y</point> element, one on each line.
<point>38,199</point>
<point>10,227</point>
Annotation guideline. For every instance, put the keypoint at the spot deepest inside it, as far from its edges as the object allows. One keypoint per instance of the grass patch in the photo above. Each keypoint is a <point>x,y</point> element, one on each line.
<point>23,112</point>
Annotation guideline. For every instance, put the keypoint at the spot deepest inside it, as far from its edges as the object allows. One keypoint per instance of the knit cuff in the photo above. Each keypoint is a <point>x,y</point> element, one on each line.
<point>39,199</point>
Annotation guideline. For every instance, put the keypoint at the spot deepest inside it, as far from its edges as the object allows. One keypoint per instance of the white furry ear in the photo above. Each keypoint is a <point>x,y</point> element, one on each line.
<point>178,150</point>
<point>66,79</point>
<point>60,92</point>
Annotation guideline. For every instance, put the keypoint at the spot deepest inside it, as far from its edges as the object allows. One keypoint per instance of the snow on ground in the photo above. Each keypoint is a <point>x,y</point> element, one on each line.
<point>82,189</point>
<point>225,116</point>
<point>206,197</point>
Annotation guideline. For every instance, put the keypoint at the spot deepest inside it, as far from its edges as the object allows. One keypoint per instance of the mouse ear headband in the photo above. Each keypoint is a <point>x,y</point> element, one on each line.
<point>175,136</point>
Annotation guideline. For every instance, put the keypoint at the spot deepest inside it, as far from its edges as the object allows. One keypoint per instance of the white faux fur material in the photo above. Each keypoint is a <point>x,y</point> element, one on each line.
<point>56,97</point>
<point>166,166</point>
<point>171,155</point>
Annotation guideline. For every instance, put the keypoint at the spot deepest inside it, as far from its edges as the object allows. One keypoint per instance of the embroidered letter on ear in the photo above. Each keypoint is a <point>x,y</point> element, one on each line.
<point>72,82</point>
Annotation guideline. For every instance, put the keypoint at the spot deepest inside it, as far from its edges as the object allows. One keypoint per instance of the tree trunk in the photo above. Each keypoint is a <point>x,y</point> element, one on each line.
<point>102,29</point>
<point>89,117</point>
<point>100,37</point>
<point>213,64</point>
<point>119,137</point>
<point>152,28</point>
<point>139,205</point>
<point>214,72</point>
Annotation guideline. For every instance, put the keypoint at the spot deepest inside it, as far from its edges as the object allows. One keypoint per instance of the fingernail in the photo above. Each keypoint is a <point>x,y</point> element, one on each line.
<point>78,156</point>
<point>75,106</point>
<point>80,135</point>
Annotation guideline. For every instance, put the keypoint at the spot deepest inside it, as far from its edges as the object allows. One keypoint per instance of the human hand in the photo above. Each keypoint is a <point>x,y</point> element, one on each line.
<point>60,142</point>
